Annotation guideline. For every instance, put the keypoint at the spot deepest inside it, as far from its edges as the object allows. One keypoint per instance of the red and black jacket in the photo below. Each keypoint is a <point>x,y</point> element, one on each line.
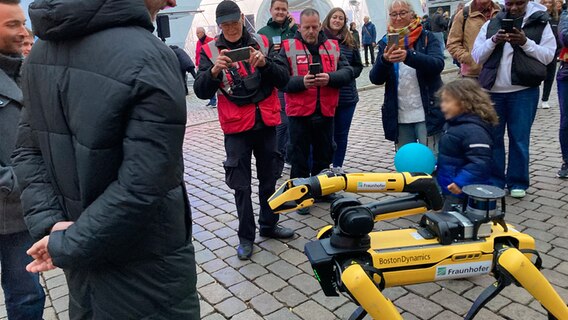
<point>239,114</point>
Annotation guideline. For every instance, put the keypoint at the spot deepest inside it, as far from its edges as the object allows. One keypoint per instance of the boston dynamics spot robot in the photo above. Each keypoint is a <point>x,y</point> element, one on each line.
<point>472,239</point>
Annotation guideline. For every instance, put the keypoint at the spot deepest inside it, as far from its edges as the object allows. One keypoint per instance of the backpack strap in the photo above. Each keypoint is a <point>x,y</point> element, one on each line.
<point>465,13</point>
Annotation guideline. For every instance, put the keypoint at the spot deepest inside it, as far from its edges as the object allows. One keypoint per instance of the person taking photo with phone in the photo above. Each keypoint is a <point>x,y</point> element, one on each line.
<point>463,32</point>
<point>279,28</point>
<point>410,64</point>
<point>514,48</point>
<point>318,71</point>
<point>237,67</point>
<point>335,27</point>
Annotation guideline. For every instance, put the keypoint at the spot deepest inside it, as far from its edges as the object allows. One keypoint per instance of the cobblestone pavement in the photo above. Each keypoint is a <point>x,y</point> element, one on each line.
<point>278,282</point>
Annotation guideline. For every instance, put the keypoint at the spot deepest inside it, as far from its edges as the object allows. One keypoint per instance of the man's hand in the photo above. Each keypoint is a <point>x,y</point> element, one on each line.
<point>374,44</point>
<point>63,225</point>
<point>309,81</point>
<point>292,21</point>
<point>453,188</point>
<point>222,63</point>
<point>257,59</point>
<point>517,37</point>
<point>42,260</point>
<point>322,79</point>
<point>500,37</point>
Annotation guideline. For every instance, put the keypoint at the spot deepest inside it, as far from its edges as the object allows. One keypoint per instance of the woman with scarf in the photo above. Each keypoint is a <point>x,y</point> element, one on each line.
<point>411,72</point>
<point>335,27</point>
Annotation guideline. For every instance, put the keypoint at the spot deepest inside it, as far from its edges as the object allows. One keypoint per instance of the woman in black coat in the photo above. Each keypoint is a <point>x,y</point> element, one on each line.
<point>411,72</point>
<point>335,28</point>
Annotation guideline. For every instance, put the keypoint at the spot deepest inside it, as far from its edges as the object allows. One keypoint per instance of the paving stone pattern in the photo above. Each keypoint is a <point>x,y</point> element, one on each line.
<point>278,283</point>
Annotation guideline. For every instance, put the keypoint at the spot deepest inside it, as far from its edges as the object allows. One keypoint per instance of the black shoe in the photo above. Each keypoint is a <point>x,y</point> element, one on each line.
<point>563,172</point>
<point>244,250</point>
<point>329,198</point>
<point>278,233</point>
<point>303,211</point>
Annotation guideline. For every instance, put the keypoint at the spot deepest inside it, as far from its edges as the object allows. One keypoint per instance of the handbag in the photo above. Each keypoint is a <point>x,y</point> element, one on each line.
<point>528,71</point>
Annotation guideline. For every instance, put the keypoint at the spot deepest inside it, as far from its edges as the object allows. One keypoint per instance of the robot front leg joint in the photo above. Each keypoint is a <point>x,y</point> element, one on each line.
<point>367,294</point>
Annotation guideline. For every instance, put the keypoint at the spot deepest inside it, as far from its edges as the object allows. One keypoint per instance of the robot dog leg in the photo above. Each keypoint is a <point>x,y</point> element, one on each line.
<point>366,293</point>
<point>512,265</point>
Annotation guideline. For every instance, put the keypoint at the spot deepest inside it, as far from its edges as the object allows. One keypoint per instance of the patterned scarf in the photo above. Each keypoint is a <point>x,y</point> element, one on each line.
<point>408,35</point>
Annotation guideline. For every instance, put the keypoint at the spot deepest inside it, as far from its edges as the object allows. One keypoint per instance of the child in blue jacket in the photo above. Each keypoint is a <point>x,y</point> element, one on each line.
<point>465,154</point>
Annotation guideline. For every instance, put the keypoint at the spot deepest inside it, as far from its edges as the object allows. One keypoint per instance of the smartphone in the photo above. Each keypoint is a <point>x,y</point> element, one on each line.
<point>277,40</point>
<point>315,68</point>
<point>240,54</point>
<point>392,40</point>
<point>507,25</point>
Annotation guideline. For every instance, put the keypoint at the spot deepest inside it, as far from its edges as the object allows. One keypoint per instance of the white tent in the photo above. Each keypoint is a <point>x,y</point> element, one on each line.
<point>183,30</point>
<point>201,13</point>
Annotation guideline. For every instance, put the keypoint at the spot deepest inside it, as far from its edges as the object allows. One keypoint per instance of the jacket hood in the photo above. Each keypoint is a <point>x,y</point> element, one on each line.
<point>470,118</point>
<point>67,19</point>
<point>533,7</point>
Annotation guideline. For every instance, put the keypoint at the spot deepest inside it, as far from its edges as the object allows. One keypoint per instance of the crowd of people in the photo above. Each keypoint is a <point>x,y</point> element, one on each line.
<point>84,174</point>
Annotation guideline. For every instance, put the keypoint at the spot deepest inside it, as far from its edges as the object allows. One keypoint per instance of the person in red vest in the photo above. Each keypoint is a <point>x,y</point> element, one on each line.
<point>202,40</point>
<point>249,111</point>
<point>312,95</point>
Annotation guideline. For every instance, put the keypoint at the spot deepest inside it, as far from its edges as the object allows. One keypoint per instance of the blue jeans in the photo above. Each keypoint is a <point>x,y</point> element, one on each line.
<point>563,97</point>
<point>516,111</point>
<point>24,295</point>
<point>213,101</point>
<point>343,118</point>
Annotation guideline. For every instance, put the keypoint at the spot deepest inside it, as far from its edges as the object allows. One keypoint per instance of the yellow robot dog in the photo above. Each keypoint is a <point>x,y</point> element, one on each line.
<point>472,239</point>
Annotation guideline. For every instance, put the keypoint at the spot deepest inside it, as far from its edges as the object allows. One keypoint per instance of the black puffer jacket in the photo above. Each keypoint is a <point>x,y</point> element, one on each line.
<point>465,155</point>
<point>101,144</point>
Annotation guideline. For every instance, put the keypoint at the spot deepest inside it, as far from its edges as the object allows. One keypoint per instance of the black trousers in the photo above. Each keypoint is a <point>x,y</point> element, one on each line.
<point>282,136</point>
<point>549,80</point>
<point>238,175</point>
<point>371,49</point>
<point>312,135</point>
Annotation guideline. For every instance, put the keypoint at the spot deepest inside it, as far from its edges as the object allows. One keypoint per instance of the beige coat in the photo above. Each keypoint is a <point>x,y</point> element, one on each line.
<point>461,40</point>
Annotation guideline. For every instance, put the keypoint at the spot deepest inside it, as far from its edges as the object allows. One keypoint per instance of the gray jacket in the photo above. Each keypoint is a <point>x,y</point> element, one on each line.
<point>11,217</point>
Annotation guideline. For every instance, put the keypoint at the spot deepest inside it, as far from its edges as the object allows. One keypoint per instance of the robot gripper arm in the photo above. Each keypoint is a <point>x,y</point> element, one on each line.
<point>301,192</point>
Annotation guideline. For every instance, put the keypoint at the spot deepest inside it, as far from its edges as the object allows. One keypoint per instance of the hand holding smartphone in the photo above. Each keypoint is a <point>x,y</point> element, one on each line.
<point>507,25</point>
<point>392,40</point>
<point>240,54</point>
<point>315,68</point>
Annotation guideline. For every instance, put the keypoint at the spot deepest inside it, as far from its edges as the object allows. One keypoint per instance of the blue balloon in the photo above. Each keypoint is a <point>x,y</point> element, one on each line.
<point>415,157</point>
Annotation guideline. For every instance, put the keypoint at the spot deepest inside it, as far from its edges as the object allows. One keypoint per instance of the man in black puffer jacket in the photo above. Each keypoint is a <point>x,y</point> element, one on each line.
<point>99,160</point>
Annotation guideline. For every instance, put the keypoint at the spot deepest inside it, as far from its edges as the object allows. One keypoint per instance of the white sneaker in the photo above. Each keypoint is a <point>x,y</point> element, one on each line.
<point>545,105</point>
<point>518,193</point>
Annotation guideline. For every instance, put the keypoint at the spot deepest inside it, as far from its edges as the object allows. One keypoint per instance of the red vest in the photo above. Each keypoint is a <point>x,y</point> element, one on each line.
<point>234,118</point>
<point>303,104</point>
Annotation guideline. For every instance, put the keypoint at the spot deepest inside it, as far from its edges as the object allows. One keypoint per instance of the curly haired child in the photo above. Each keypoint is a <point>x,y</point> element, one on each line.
<point>465,155</point>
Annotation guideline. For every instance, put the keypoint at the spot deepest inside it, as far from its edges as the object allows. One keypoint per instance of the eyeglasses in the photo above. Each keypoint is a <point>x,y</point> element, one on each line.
<point>401,14</point>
